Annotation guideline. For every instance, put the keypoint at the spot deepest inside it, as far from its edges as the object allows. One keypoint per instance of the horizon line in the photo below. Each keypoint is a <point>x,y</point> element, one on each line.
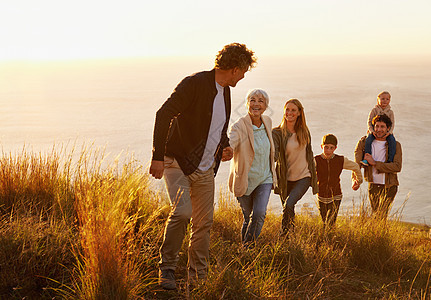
<point>202,56</point>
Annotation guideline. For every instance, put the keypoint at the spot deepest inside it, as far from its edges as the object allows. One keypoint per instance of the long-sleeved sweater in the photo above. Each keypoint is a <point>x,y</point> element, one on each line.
<point>377,110</point>
<point>241,139</point>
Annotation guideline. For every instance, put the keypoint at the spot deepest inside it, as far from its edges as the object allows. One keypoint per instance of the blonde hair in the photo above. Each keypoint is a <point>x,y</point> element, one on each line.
<point>257,92</point>
<point>301,129</point>
<point>383,93</point>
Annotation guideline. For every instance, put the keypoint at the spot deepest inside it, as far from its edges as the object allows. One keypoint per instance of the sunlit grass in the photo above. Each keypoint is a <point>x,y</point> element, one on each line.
<point>75,224</point>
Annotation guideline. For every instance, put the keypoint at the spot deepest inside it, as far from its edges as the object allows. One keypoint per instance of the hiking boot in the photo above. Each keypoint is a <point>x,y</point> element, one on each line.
<point>167,279</point>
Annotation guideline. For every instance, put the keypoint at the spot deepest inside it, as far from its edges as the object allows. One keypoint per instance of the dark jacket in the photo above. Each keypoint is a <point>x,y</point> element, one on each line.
<point>280,143</point>
<point>182,123</point>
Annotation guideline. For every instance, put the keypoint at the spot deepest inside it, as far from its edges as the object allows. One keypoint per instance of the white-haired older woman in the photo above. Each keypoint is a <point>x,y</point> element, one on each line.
<point>252,170</point>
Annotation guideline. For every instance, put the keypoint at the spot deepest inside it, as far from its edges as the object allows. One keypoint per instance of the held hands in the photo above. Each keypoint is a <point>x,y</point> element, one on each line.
<point>227,154</point>
<point>355,185</point>
<point>156,168</point>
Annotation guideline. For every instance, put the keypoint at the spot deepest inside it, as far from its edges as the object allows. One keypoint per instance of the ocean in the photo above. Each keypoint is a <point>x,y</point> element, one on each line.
<point>112,103</point>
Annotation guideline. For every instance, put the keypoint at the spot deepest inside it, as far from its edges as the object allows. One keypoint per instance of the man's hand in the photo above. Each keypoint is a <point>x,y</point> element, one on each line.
<point>227,154</point>
<point>355,185</point>
<point>156,168</point>
<point>370,159</point>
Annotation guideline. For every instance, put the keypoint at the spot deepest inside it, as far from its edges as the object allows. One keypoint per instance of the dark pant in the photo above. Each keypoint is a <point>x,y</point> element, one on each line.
<point>392,145</point>
<point>381,198</point>
<point>295,191</point>
<point>329,212</point>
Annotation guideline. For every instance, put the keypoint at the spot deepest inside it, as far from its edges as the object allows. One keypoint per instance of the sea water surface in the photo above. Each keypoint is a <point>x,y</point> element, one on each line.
<point>112,104</point>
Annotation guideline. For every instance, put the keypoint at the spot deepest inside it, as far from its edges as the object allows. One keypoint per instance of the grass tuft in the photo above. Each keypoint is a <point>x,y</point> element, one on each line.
<point>77,225</point>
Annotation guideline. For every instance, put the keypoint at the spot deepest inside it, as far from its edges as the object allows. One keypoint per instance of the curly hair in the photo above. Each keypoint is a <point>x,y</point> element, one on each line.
<point>235,55</point>
<point>382,118</point>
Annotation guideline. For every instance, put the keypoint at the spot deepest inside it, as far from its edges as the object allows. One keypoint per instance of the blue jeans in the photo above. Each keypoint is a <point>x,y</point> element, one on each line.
<point>392,145</point>
<point>295,191</point>
<point>254,205</point>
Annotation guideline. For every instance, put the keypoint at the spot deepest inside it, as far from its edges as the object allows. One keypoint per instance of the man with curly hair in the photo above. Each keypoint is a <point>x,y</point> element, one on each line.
<point>380,173</point>
<point>189,142</point>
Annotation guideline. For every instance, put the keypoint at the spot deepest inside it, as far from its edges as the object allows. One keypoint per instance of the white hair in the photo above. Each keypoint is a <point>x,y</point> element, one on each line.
<point>258,92</point>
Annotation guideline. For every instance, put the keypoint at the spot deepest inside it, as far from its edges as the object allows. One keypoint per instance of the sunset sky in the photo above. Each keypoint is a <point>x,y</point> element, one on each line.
<point>55,29</point>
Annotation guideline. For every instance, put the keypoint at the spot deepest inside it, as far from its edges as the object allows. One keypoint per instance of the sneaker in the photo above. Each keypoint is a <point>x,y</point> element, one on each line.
<point>364,162</point>
<point>167,279</point>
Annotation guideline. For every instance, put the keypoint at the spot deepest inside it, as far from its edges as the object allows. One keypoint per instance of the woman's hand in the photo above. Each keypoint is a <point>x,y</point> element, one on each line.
<point>355,185</point>
<point>227,154</point>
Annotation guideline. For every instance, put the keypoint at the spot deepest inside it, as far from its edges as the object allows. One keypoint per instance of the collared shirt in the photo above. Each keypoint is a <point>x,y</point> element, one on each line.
<point>260,170</point>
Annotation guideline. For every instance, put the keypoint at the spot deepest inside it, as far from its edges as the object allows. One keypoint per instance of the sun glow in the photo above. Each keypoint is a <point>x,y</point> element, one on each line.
<point>52,30</point>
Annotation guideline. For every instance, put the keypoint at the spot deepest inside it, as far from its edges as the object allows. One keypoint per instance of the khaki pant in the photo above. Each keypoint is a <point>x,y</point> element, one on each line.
<point>381,198</point>
<point>191,197</point>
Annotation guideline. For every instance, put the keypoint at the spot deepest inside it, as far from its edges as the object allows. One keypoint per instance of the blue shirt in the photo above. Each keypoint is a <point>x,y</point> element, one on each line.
<point>260,170</point>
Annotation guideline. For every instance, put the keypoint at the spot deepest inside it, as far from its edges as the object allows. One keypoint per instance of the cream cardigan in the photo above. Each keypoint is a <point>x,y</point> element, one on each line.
<point>241,140</point>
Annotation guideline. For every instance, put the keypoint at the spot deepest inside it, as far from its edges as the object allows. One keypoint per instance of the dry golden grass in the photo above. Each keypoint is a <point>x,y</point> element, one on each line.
<point>79,226</point>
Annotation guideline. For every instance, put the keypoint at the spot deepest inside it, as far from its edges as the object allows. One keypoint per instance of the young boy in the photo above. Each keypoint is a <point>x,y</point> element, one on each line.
<point>328,168</point>
<point>382,107</point>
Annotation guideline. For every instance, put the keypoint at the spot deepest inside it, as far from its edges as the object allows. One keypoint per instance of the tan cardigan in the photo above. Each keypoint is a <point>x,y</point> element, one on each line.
<point>241,140</point>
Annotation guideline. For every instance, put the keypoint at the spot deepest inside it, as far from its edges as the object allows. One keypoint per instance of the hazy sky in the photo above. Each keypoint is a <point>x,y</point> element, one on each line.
<point>58,29</point>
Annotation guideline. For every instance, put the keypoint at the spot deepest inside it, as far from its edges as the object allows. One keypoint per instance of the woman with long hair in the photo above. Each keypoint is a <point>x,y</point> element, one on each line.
<point>295,167</point>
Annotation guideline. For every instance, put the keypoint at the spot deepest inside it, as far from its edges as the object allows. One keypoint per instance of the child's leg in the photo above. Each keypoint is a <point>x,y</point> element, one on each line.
<point>368,141</point>
<point>392,147</point>
<point>332,217</point>
<point>323,208</point>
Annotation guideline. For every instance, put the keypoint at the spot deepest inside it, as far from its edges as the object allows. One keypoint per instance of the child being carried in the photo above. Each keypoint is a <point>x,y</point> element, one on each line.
<point>382,107</point>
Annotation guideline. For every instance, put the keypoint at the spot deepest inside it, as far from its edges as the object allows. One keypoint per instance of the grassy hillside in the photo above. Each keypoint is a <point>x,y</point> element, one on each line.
<point>77,226</point>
